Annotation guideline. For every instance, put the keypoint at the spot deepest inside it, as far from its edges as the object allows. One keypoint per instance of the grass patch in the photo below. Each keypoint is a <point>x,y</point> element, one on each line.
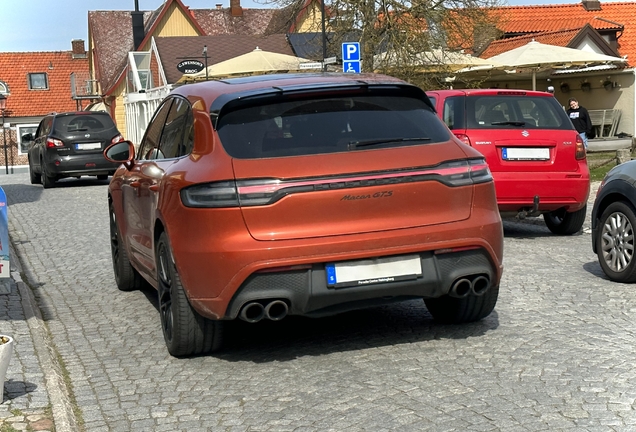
<point>600,163</point>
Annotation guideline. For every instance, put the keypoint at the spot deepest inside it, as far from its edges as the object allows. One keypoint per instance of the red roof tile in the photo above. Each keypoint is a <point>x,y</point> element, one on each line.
<point>542,18</point>
<point>559,38</point>
<point>58,65</point>
<point>112,37</point>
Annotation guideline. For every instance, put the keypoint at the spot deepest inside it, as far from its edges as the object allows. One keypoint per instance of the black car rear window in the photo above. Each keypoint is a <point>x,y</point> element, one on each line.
<point>514,111</point>
<point>311,125</point>
<point>91,123</point>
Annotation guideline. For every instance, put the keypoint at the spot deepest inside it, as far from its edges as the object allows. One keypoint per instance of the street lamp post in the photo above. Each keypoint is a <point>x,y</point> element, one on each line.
<point>3,106</point>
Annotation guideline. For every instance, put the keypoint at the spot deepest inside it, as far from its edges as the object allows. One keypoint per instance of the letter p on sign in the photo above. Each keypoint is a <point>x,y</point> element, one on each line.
<point>351,51</point>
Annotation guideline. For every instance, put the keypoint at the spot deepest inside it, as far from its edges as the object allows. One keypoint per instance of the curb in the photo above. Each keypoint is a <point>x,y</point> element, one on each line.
<point>61,406</point>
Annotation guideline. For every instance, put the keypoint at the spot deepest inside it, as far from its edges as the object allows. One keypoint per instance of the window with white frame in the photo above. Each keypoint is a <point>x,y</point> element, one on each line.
<point>38,81</point>
<point>22,129</point>
<point>4,88</point>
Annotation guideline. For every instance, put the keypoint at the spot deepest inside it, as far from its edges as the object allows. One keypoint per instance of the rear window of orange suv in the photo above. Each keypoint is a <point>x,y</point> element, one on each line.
<point>329,124</point>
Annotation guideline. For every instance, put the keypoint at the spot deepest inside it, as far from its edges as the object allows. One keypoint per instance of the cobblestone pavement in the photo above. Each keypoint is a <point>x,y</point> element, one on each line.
<point>556,354</point>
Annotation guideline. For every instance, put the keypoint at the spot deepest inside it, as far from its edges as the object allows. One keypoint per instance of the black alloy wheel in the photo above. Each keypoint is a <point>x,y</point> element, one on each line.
<point>47,182</point>
<point>35,178</point>
<point>184,330</point>
<point>126,277</point>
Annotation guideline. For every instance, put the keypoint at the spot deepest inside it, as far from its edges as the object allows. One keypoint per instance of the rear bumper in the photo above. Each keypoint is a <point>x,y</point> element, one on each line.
<point>307,292</point>
<point>220,270</point>
<point>91,164</point>
<point>516,191</point>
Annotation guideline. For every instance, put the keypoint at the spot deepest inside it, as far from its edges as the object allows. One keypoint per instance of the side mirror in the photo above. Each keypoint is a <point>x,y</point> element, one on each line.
<point>122,152</point>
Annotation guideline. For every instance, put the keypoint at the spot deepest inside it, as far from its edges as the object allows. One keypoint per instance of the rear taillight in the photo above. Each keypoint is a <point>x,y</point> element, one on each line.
<point>257,192</point>
<point>463,138</point>
<point>52,143</point>
<point>117,139</point>
<point>580,148</point>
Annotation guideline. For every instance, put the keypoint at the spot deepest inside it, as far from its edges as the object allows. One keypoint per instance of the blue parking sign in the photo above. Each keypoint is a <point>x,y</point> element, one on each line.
<point>350,51</point>
<point>351,66</point>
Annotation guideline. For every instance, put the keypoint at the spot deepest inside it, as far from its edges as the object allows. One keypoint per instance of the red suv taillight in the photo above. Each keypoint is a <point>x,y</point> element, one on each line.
<point>52,143</point>
<point>463,137</point>
<point>117,139</point>
<point>580,148</point>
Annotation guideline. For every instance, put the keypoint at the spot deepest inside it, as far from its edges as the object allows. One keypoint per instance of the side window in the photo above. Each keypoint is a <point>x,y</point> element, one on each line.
<point>453,114</point>
<point>150,143</point>
<point>188,139</point>
<point>45,127</point>
<point>172,138</point>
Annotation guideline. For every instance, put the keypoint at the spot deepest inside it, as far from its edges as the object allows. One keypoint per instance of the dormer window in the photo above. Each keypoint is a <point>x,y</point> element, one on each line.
<point>38,81</point>
<point>4,88</point>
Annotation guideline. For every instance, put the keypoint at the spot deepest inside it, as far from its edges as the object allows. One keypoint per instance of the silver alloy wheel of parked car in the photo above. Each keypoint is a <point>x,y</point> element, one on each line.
<point>616,242</point>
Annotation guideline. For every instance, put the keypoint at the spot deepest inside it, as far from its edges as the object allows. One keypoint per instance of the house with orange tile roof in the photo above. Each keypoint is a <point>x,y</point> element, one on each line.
<point>35,84</point>
<point>124,58</point>
<point>602,27</point>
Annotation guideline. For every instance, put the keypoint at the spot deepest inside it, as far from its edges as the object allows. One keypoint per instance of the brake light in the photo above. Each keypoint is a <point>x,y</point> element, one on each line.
<point>580,148</point>
<point>463,138</point>
<point>258,192</point>
<point>117,139</point>
<point>52,143</point>
<point>512,93</point>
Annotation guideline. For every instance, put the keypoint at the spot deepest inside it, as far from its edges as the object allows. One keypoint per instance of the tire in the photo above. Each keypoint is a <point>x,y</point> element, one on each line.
<point>102,177</point>
<point>184,330</point>
<point>452,310</point>
<point>35,178</point>
<point>563,223</point>
<point>126,277</point>
<point>615,242</point>
<point>47,182</point>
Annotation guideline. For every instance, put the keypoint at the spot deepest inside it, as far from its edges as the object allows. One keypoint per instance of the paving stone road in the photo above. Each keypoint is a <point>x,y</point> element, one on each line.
<point>556,354</point>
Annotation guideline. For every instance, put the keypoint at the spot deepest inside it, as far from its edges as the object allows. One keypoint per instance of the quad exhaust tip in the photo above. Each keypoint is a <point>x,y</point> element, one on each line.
<point>469,285</point>
<point>274,310</point>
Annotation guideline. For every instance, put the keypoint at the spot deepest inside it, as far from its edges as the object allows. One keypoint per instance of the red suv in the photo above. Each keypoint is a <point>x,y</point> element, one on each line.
<point>535,155</point>
<point>311,194</point>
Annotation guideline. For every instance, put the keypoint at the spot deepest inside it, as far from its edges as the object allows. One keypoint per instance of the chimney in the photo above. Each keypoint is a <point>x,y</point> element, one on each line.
<point>137,26</point>
<point>219,6</point>
<point>78,48</point>
<point>591,5</point>
<point>235,8</point>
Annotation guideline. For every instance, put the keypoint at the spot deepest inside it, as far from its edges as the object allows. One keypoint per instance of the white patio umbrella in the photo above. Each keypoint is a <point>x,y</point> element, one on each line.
<point>442,60</point>
<point>257,61</point>
<point>535,55</point>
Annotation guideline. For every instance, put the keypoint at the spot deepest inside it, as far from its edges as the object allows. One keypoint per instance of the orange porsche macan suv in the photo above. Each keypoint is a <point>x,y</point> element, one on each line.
<point>301,194</point>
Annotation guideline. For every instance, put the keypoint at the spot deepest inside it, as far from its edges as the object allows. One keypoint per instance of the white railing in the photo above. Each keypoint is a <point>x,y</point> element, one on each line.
<point>139,109</point>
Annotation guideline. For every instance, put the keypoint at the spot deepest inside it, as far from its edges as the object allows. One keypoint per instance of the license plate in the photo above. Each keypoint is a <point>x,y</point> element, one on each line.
<point>88,146</point>
<point>537,153</point>
<point>373,271</point>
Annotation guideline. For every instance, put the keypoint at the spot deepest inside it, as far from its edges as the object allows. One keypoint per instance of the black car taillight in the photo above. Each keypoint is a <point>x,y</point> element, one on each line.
<point>52,143</point>
<point>229,193</point>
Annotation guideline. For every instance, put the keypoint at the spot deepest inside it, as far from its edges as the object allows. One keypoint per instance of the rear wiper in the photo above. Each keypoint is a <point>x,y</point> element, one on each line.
<point>357,144</point>
<point>79,130</point>
<point>513,123</point>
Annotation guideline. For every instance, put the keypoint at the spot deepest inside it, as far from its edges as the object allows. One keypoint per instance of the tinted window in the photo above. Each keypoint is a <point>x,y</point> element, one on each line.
<point>172,138</point>
<point>500,111</point>
<point>327,125</point>
<point>150,144</point>
<point>83,123</point>
<point>454,112</point>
